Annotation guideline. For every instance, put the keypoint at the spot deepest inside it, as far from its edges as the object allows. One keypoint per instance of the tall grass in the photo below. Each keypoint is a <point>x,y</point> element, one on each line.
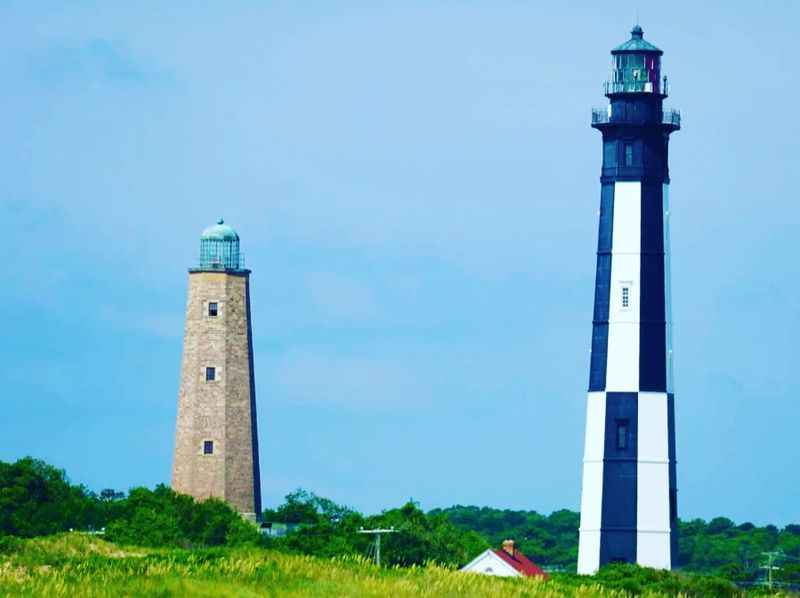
<point>78,565</point>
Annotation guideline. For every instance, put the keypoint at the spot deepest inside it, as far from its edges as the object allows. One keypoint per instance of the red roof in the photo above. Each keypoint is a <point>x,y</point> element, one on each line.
<point>521,563</point>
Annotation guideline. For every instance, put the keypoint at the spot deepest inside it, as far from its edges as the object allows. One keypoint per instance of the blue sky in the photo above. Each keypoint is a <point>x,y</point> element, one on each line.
<point>416,188</point>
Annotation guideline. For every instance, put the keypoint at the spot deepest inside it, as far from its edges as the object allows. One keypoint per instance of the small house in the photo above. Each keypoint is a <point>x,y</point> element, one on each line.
<point>504,562</point>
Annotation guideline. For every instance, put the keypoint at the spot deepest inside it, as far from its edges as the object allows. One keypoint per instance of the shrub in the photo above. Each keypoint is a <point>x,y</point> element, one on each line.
<point>162,517</point>
<point>9,544</point>
<point>636,580</point>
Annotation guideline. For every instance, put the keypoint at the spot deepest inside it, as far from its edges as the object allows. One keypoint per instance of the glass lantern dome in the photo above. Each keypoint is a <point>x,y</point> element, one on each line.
<point>219,248</point>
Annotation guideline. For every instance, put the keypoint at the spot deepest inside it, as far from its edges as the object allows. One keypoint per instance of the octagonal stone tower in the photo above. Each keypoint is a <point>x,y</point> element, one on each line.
<point>216,437</point>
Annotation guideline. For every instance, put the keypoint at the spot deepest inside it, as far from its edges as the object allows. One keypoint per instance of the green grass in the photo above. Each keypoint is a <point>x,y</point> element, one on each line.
<point>79,565</point>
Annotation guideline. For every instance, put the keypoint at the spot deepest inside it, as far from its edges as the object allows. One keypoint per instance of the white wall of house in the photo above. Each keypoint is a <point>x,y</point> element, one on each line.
<point>488,563</point>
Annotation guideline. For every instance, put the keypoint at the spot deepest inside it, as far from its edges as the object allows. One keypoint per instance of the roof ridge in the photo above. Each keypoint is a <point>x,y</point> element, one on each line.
<point>523,564</point>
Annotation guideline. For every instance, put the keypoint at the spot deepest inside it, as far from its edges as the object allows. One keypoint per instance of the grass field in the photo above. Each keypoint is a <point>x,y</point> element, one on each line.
<point>79,565</point>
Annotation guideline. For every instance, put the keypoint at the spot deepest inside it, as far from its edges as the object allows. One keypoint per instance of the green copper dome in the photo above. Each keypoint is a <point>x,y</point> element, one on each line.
<point>636,43</point>
<point>219,232</point>
<point>219,249</point>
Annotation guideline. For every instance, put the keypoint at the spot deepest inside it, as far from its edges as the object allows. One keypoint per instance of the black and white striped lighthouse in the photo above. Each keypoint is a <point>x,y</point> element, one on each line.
<point>629,498</point>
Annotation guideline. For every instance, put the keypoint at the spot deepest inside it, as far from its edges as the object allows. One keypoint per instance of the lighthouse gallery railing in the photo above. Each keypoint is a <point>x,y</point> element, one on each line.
<point>602,116</point>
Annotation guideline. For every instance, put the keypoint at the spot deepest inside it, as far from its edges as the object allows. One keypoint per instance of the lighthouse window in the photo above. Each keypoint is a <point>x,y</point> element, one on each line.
<point>628,154</point>
<point>208,447</point>
<point>610,154</point>
<point>213,309</point>
<point>626,297</point>
<point>211,374</point>
<point>622,434</point>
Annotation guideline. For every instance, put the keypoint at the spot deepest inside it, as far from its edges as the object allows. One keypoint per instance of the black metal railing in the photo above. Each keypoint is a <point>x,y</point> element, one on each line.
<point>601,116</point>
<point>671,117</point>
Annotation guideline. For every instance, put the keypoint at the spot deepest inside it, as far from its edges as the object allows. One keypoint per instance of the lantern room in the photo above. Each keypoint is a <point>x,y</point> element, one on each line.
<point>219,248</point>
<point>636,67</point>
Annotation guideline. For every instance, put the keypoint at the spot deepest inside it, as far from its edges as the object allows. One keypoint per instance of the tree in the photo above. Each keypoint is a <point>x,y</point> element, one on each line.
<point>332,530</point>
<point>719,525</point>
<point>37,499</point>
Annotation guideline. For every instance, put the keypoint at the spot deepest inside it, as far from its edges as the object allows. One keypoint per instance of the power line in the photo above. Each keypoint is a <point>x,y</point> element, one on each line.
<point>377,533</point>
<point>772,556</point>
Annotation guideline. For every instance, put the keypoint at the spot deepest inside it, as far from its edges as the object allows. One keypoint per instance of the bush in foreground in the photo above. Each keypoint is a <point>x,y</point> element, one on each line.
<point>637,581</point>
<point>162,517</point>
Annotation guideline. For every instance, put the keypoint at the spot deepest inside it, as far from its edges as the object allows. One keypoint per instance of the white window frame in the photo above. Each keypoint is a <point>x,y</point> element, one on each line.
<point>203,447</point>
<point>206,315</point>
<point>217,374</point>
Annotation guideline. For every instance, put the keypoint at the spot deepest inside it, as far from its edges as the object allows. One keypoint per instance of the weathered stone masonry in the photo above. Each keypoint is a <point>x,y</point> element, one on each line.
<point>222,410</point>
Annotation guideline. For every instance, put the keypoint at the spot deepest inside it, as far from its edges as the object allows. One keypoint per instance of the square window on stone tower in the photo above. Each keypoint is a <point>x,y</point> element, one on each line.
<point>211,374</point>
<point>213,309</point>
<point>208,447</point>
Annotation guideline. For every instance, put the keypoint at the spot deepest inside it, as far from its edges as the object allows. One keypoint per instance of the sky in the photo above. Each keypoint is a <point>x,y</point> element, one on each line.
<point>416,187</point>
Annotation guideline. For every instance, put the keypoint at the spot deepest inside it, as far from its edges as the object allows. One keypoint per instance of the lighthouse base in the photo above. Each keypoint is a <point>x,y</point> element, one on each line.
<point>628,506</point>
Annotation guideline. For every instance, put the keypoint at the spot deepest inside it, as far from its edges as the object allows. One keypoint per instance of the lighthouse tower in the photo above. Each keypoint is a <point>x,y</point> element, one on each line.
<point>629,499</point>
<point>216,440</point>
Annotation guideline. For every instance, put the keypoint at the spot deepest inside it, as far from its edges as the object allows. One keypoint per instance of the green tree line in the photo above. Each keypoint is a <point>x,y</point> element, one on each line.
<point>38,499</point>
<point>717,547</point>
<point>328,529</point>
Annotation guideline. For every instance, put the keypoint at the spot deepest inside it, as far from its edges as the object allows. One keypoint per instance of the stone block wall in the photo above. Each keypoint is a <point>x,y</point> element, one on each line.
<point>223,410</point>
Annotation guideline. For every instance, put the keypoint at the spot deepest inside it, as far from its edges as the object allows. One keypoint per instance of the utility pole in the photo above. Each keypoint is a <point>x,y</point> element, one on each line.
<point>377,533</point>
<point>770,567</point>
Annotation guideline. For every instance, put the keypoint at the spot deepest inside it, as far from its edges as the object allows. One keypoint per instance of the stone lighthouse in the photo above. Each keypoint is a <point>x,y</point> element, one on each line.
<point>629,499</point>
<point>216,438</point>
